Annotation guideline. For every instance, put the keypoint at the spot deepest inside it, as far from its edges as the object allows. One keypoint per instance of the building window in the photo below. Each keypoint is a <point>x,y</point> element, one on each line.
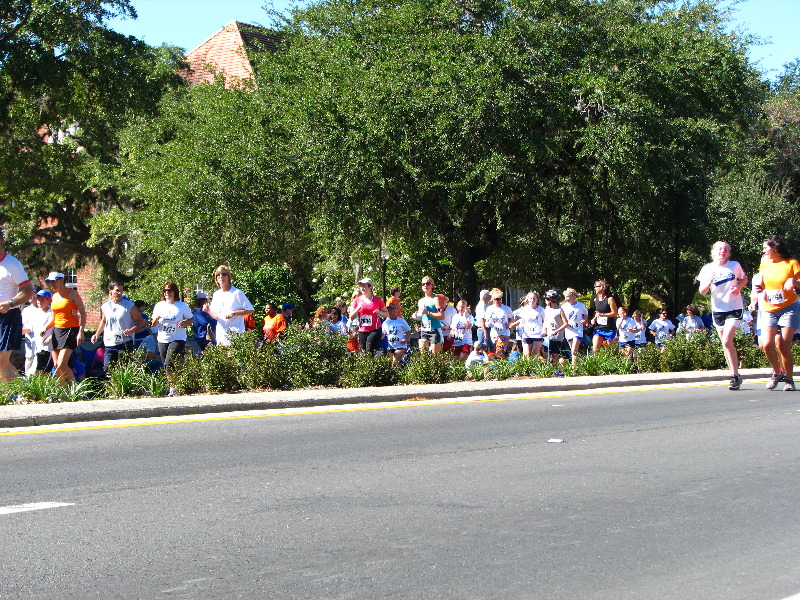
<point>71,278</point>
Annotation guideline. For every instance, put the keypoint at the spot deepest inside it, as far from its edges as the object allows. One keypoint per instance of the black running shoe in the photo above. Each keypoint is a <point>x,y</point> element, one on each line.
<point>736,382</point>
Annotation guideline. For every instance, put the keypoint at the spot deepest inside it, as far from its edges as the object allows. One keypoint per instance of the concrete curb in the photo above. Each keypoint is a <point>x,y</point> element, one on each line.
<point>27,415</point>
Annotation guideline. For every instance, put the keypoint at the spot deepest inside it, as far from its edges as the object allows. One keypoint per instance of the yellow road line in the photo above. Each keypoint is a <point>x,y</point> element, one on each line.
<point>336,409</point>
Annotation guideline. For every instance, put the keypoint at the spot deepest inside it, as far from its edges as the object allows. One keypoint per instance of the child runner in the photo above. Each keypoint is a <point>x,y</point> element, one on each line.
<point>627,331</point>
<point>461,328</point>
<point>396,331</point>
<point>530,325</point>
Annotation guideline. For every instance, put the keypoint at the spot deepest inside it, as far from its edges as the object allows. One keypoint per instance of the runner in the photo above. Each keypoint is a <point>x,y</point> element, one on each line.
<point>450,312</point>
<point>577,319</point>
<point>778,310</point>
<point>725,278</point>
<point>494,324</point>
<point>692,323</point>
<point>34,320</point>
<point>461,327</point>
<point>603,310</point>
<point>430,314</point>
<point>15,290</point>
<point>641,325</point>
<point>366,309</point>
<point>484,302</point>
<point>172,316</point>
<point>662,328</point>
<point>627,330</point>
<point>397,332</point>
<point>69,319</point>
<point>530,325</point>
<point>555,322</point>
<point>119,322</point>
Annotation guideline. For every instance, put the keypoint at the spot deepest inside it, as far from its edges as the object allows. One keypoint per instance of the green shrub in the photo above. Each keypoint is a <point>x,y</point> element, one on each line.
<point>750,355</point>
<point>477,372</point>
<point>125,379</point>
<point>501,369</point>
<point>428,367</point>
<point>692,352</point>
<point>366,370</point>
<point>7,392</point>
<point>312,356</point>
<point>187,374</point>
<point>218,370</point>
<point>534,367</point>
<point>78,390</point>
<point>154,384</point>
<point>608,360</point>
<point>648,359</point>
<point>458,370</point>
<point>260,366</point>
<point>39,387</point>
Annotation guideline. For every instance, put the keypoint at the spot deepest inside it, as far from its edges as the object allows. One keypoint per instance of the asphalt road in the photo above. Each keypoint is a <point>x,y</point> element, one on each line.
<point>665,493</point>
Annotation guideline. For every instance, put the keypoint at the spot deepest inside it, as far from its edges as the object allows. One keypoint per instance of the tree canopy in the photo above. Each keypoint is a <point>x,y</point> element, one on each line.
<point>530,142</point>
<point>68,84</point>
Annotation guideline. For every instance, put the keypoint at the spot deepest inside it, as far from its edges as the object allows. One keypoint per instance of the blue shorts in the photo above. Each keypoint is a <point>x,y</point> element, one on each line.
<point>11,330</point>
<point>785,317</point>
<point>606,334</point>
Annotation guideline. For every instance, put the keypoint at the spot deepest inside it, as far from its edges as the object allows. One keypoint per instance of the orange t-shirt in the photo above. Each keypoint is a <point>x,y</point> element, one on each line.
<point>65,312</point>
<point>273,326</point>
<point>774,276</point>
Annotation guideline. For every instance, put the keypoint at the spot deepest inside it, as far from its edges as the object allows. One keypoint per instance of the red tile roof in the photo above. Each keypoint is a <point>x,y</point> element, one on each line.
<point>227,53</point>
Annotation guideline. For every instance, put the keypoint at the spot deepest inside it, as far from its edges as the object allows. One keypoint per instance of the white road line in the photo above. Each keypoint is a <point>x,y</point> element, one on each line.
<point>795,597</point>
<point>7,510</point>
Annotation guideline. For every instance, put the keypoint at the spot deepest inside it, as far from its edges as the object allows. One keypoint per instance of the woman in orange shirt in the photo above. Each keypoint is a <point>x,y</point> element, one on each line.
<point>69,319</point>
<point>775,288</point>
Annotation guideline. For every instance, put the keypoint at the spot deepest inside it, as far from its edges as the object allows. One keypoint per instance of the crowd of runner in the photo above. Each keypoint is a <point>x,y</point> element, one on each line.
<point>556,329</point>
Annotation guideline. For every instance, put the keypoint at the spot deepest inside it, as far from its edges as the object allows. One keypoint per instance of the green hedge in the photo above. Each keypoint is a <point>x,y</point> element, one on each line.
<point>310,358</point>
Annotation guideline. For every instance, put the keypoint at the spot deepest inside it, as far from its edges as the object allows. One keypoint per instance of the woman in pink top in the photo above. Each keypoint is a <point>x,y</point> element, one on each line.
<point>368,309</point>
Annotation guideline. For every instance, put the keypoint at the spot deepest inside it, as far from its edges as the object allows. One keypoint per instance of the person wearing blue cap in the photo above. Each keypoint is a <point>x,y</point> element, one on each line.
<point>38,342</point>
<point>287,310</point>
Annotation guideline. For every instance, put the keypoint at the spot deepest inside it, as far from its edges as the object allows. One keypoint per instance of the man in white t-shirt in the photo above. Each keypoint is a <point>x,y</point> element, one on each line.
<point>15,290</point>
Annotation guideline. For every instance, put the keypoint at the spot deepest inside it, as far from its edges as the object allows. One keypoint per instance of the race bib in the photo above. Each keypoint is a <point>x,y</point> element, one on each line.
<point>365,321</point>
<point>458,335</point>
<point>602,320</point>
<point>117,338</point>
<point>775,296</point>
<point>168,328</point>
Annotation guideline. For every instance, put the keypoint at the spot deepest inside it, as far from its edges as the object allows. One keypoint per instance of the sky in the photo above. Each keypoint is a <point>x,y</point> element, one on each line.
<point>188,23</point>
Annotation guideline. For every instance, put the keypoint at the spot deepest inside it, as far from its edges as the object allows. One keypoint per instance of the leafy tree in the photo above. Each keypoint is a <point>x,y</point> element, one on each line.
<point>521,140</point>
<point>67,85</point>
